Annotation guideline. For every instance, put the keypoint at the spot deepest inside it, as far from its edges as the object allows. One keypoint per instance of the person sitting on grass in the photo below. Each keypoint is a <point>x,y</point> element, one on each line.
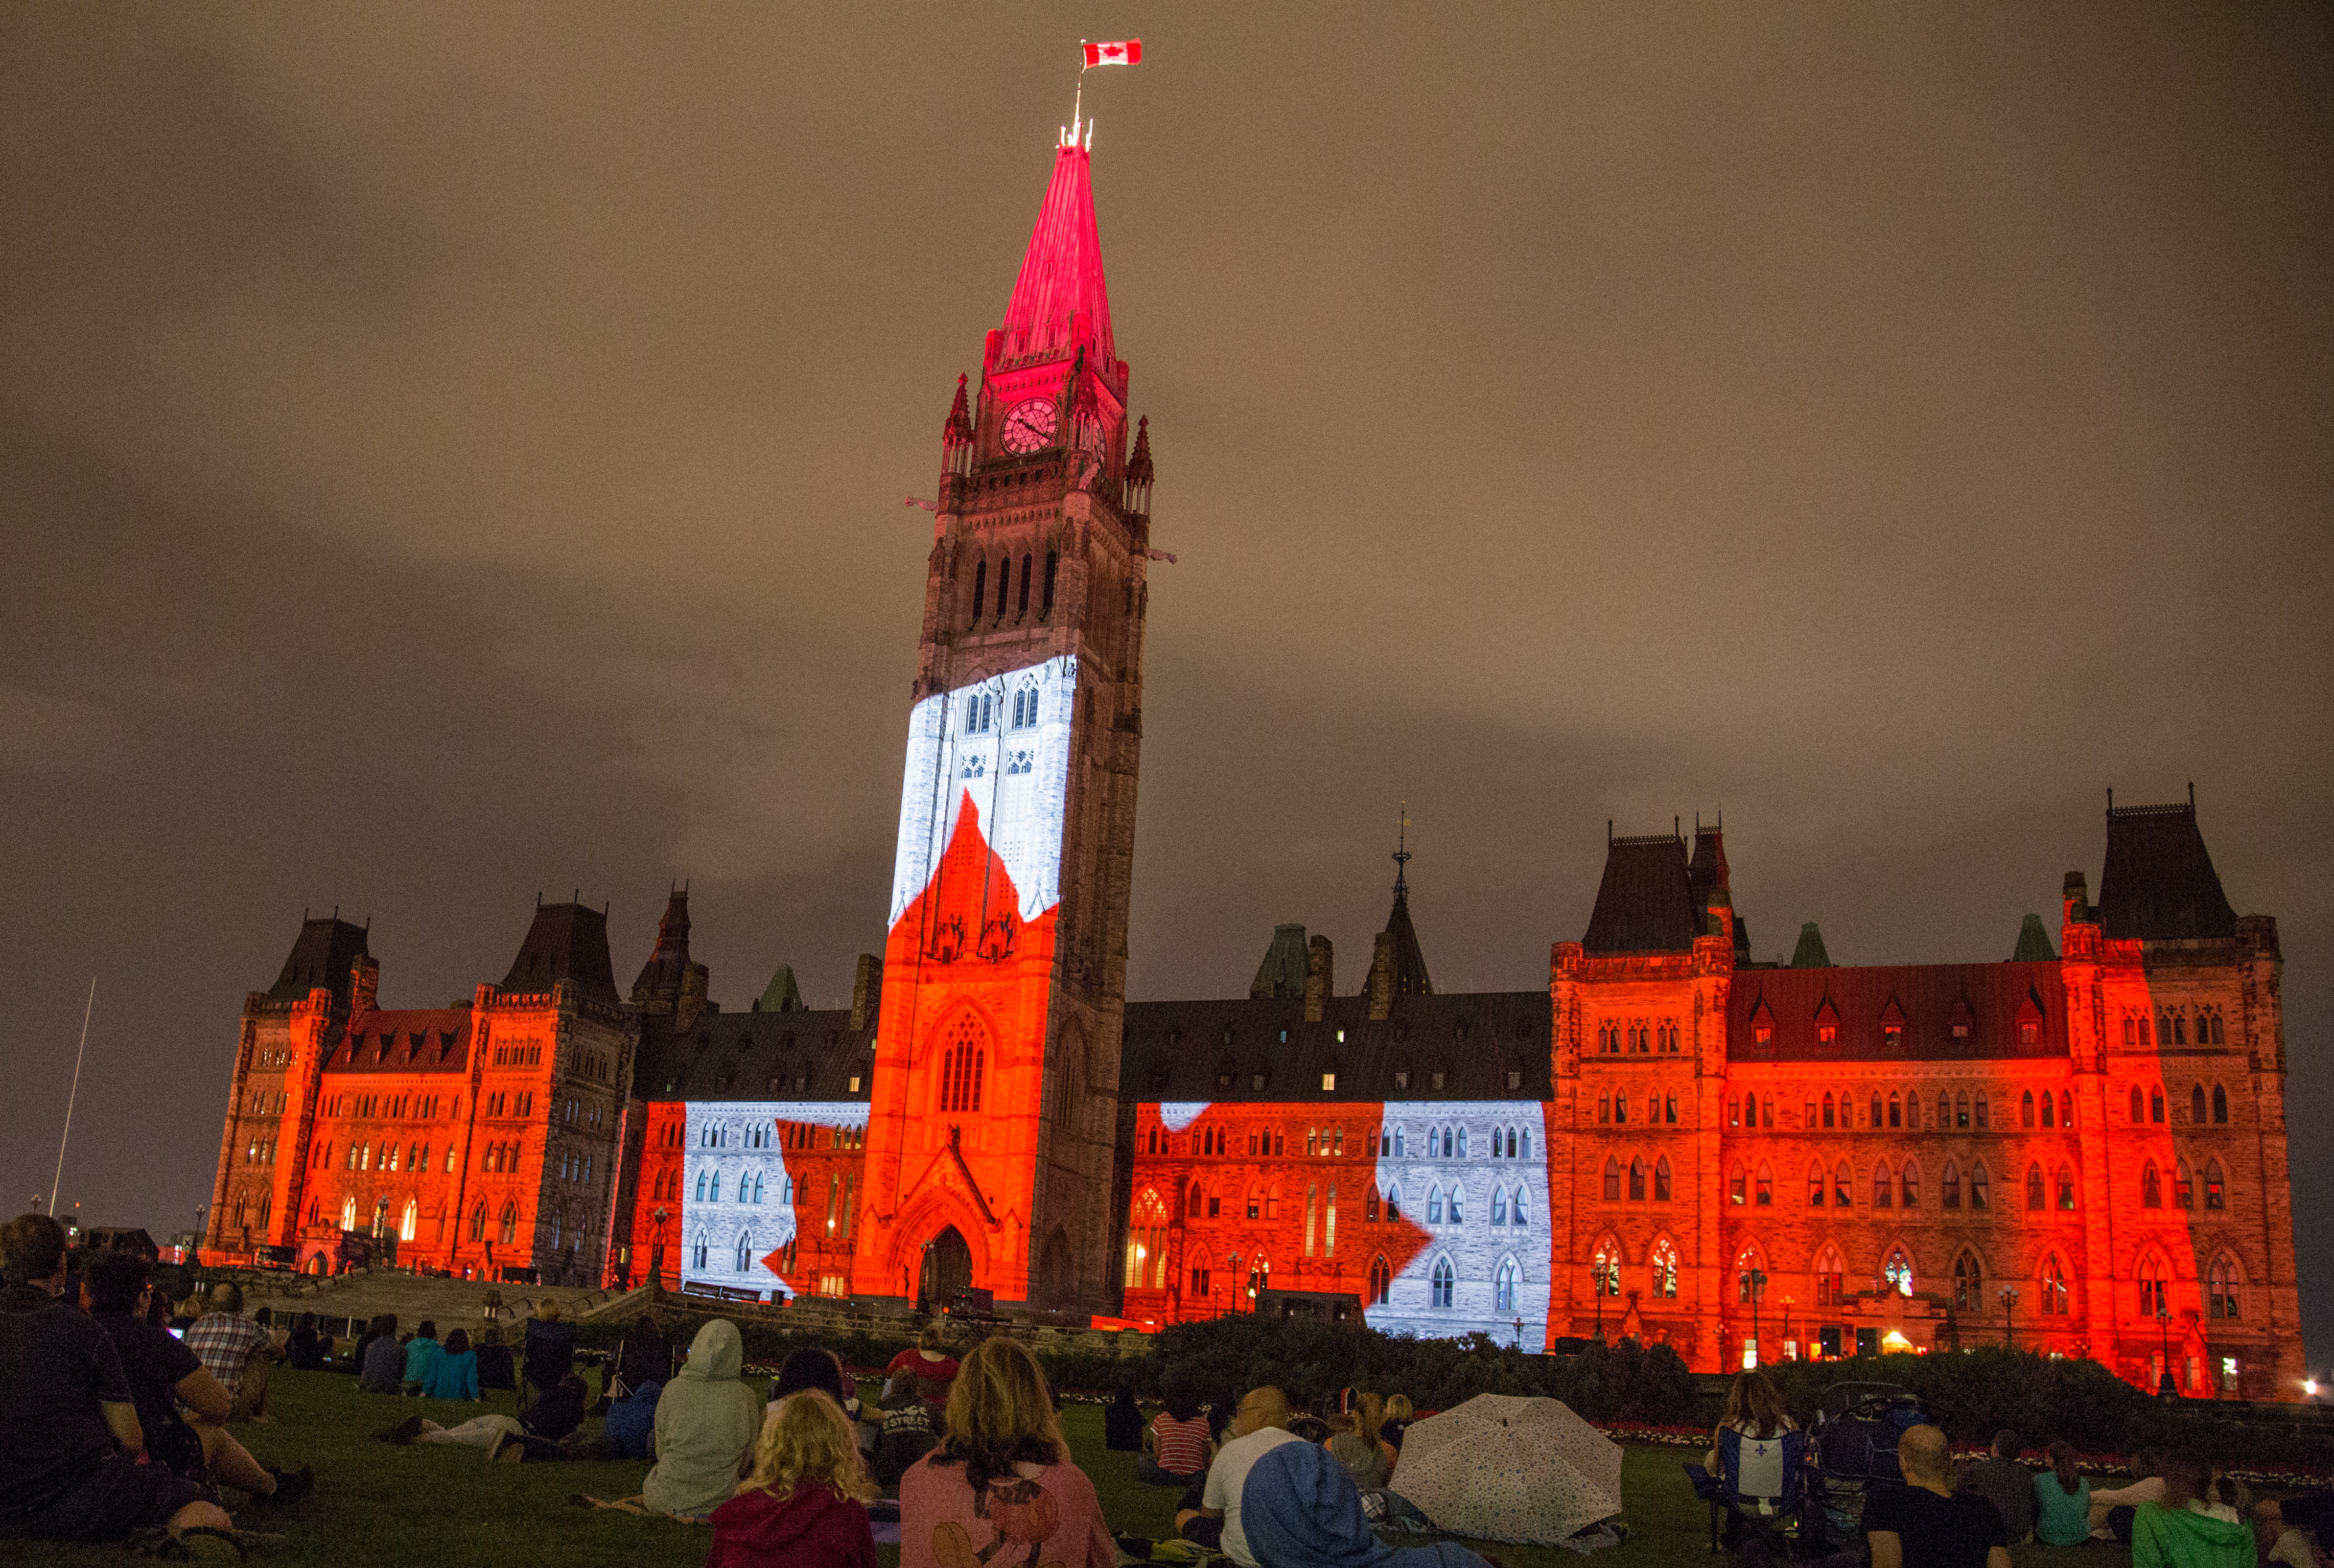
<point>631,1427</point>
<point>305,1351</point>
<point>1925,1524</point>
<point>2186,1528</point>
<point>2062,1500</point>
<point>1399,1414</point>
<point>550,1345</point>
<point>2310,1512</point>
<point>164,1375</point>
<point>496,1368</point>
<point>925,1369</point>
<point>419,1352</point>
<point>804,1505</point>
<point>381,1364</point>
<point>908,1430</point>
<point>69,1441</point>
<point>1367,1459</point>
<point>1121,1422</point>
<point>1300,1509</point>
<point>707,1422</point>
<point>239,1352</point>
<point>2003,1481</point>
<point>1260,1426</point>
<point>453,1371</point>
<point>1001,1483</point>
<point>645,1357</point>
<point>1175,1444</point>
<point>2281,1544</point>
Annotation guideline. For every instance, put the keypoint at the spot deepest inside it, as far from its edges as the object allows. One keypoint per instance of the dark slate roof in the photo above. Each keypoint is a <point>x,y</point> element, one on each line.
<point>781,995</point>
<point>808,1055</point>
<point>2159,883</point>
<point>1645,903</point>
<point>1282,973</point>
<point>566,942</point>
<point>327,949</point>
<point>408,1039</point>
<point>2034,943</point>
<point>1180,1051</point>
<point>1991,1000</point>
<point>1810,954</point>
<point>1410,979</point>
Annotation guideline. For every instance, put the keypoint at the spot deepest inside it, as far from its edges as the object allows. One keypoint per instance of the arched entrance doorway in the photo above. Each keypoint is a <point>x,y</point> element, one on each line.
<point>948,1269</point>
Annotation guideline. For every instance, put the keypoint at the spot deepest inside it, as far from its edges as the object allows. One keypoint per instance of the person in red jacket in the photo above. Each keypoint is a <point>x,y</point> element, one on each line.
<point>805,1504</point>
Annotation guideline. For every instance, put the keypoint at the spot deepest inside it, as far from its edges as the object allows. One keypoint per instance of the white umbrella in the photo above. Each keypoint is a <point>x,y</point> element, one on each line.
<point>1502,1467</point>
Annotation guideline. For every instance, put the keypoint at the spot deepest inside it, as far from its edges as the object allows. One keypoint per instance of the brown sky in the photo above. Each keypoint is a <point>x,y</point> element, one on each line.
<point>451,452</point>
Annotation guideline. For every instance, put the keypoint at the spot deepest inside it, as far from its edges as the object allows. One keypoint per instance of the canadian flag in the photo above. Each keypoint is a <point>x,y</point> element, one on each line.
<point>1129,53</point>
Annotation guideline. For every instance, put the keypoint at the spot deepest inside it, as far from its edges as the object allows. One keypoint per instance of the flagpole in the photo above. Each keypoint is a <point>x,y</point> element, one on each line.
<point>87,1009</point>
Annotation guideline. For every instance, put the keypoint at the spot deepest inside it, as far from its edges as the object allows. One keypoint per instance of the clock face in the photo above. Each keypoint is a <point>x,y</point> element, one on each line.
<point>1030,426</point>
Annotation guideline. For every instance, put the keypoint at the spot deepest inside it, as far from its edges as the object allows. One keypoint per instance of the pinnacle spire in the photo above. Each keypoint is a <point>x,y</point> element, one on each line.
<point>1061,276</point>
<point>1401,854</point>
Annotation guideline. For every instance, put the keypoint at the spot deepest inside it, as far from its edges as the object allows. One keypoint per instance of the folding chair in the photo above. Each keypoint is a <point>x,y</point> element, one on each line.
<point>1761,1485</point>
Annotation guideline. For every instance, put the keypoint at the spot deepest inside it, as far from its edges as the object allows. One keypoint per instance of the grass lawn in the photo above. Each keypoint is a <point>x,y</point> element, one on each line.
<point>447,1508</point>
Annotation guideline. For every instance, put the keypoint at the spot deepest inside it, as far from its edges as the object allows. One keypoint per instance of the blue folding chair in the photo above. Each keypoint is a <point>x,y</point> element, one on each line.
<point>1760,1487</point>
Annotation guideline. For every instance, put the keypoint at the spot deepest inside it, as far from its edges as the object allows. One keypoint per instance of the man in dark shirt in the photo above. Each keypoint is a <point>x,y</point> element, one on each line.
<point>2003,1481</point>
<point>1922,1523</point>
<point>163,1375</point>
<point>69,1433</point>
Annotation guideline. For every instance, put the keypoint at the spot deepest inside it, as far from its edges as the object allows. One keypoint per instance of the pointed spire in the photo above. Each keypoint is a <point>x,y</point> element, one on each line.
<point>660,978</point>
<point>1061,276</point>
<point>957,432</point>
<point>2034,943</point>
<point>1810,954</point>
<point>1138,467</point>
<point>1402,855</point>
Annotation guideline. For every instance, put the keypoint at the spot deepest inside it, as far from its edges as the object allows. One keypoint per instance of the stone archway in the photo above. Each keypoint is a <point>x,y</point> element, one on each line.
<point>948,1269</point>
<point>1057,1275</point>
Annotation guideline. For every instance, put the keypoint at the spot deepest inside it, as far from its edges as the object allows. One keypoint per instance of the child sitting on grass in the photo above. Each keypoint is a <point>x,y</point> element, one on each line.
<point>805,1504</point>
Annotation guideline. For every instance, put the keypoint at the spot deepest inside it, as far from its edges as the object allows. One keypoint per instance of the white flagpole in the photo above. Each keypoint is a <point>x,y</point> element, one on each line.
<point>90,1007</point>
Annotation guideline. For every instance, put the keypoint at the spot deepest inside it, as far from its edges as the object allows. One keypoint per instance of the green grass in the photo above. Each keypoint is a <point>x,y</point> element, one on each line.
<point>447,1508</point>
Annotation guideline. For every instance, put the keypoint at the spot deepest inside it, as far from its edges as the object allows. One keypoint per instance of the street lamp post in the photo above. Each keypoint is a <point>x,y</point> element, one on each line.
<point>1758,1291</point>
<point>2166,1387</point>
<point>1786,1335</point>
<point>1600,1271</point>
<point>2009,1315</point>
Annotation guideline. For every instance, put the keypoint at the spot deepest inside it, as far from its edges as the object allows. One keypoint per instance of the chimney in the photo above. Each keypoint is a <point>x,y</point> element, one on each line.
<point>364,984</point>
<point>866,992</point>
<point>1320,971</point>
<point>1381,984</point>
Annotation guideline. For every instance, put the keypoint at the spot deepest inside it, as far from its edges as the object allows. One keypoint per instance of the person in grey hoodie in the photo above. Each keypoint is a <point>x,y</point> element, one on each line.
<point>706,1423</point>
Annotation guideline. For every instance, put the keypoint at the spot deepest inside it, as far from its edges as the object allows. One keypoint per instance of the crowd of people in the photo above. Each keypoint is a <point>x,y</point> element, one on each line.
<point>113,1425</point>
<point>2175,1512</point>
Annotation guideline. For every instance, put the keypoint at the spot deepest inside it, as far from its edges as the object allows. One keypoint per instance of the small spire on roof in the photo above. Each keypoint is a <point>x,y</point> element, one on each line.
<point>1401,854</point>
<point>1138,467</point>
<point>958,431</point>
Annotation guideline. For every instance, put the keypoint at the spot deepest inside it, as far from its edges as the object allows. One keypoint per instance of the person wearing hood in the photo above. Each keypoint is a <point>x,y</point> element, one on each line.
<point>706,1422</point>
<point>645,1356</point>
<point>2186,1529</point>
<point>804,1505</point>
<point>1300,1509</point>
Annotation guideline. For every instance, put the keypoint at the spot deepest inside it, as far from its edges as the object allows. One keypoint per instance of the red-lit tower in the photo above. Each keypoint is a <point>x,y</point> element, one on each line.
<point>989,1150</point>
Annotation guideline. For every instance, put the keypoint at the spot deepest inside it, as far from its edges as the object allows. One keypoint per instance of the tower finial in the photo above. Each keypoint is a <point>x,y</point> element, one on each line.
<point>1401,853</point>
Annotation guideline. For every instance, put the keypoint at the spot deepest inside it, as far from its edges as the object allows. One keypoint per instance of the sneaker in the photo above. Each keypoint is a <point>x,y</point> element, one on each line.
<point>405,1431</point>
<point>291,1486</point>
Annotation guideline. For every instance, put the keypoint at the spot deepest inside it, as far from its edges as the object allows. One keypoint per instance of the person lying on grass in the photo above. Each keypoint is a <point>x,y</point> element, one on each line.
<point>804,1505</point>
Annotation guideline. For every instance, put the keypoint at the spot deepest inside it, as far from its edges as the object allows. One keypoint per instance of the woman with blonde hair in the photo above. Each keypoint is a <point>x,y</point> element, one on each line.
<point>1000,1484</point>
<point>804,1505</point>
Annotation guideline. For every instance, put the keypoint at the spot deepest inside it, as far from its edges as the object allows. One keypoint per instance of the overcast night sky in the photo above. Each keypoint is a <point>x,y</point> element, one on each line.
<point>451,452</point>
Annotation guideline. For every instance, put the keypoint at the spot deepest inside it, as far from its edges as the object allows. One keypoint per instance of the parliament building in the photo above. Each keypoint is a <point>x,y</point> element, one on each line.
<point>2079,1149</point>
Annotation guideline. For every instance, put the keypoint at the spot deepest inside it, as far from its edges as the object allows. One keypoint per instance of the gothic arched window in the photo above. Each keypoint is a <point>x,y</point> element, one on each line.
<point>2049,1109</point>
<point>2151,1188</point>
<point>1766,1185</point>
<point>2054,1287</point>
<point>2184,1186</point>
<point>2222,1288</point>
<point>964,1059</point>
<point>1969,1284</point>
<point>1612,1181</point>
<point>1831,1278</point>
<point>510,1223</point>
<point>1952,1185</point>
<point>1660,1179</point>
<point>2213,1196</point>
<point>1381,1281</point>
<point>2065,1187</point>
<point>1498,1205</point>
<point>1898,1272</point>
<point>2156,1104</point>
<point>979,588</point>
<point>1636,1181</point>
<point>1444,1285</point>
<point>1817,1181</point>
<point>1665,1269</point>
<point>745,1251</point>
<point>1503,1286</point>
<point>2220,1098</point>
<point>1515,1215</point>
<point>1978,1190</point>
<point>1881,1184</point>
<point>1458,1204</point>
<point>2154,1289</point>
<point>1435,1197</point>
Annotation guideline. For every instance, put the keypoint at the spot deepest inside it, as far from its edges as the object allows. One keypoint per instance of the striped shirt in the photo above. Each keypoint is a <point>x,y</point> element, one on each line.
<point>1182,1445</point>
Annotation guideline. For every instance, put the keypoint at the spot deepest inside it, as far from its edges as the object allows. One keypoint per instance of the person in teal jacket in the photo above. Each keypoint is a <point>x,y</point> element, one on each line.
<point>2186,1530</point>
<point>453,1371</point>
<point>2062,1500</point>
<point>420,1351</point>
